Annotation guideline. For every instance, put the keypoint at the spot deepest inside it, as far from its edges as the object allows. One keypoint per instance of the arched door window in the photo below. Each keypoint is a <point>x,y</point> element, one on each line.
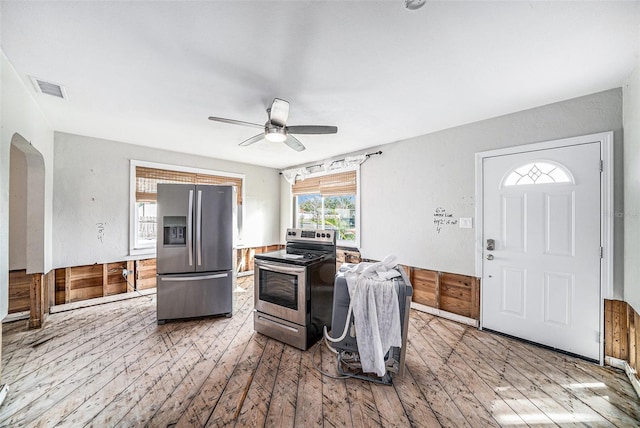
<point>538,172</point>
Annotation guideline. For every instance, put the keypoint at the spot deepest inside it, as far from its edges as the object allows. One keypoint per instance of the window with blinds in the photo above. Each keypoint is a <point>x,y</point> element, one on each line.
<point>329,202</point>
<point>146,192</point>
<point>340,184</point>
<point>147,180</point>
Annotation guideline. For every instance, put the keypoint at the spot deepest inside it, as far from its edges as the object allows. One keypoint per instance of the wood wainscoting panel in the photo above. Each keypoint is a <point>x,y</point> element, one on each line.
<point>113,281</point>
<point>456,295</point>
<point>622,333</point>
<point>616,333</point>
<point>245,256</point>
<point>347,255</point>
<point>426,287</point>
<point>19,283</point>
<point>244,259</point>
<point>60,286</point>
<point>36,292</point>
<point>145,274</point>
<point>449,292</point>
<point>85,282</point>
<point>634,337</point>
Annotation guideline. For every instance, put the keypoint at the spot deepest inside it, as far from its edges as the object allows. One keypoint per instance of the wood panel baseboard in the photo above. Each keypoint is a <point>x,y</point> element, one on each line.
<point>443,291</point>
<point>622,335</point>
<point>19,283</point>
<point>449,292</point>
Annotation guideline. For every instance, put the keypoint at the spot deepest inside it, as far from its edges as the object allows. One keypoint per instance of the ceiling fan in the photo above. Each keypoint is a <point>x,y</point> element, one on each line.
<point>276,129</point>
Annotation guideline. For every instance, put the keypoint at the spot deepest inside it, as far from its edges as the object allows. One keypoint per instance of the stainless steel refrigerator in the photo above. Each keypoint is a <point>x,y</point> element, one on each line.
<point>195,275</point>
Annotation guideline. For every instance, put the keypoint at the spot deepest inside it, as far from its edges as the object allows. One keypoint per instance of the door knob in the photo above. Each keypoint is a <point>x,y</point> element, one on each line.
<point>489,256</point>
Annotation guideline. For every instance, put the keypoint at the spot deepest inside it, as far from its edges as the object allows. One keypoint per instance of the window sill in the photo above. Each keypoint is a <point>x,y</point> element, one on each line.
<point>143,252</point>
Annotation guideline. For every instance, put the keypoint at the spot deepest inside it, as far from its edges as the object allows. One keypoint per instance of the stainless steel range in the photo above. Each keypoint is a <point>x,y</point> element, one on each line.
<point>294,288</point>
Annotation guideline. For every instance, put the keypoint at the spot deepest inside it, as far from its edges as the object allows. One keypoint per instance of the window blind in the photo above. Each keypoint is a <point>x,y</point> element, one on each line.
<point>340,184</point>
<point>147,180</point>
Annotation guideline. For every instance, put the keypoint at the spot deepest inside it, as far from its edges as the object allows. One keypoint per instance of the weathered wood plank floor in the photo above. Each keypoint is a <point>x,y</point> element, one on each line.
<point>111,365</point>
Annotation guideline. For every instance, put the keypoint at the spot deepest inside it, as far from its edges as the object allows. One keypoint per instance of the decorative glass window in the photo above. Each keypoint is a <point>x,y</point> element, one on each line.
<point>539,172</point>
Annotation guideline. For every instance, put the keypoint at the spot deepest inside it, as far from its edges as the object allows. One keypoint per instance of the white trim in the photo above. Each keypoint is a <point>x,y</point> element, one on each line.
<point>181,168</point>
<point>630,372</point>
<point>17,316</point>
<point>606,208</point>
<point>444,314</point>
<point>133,163</point>
<point>615,362</point>
<point>357,243</point>
<point>607,234</point>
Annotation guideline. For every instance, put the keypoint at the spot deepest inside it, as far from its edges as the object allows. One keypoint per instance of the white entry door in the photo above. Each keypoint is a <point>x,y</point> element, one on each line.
<point>542,247</point>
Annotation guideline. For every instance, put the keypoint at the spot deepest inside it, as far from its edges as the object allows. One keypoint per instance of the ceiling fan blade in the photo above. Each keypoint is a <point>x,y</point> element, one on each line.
<point>235,122</point>
<point>293,142</point>
<point>252,140</point>
<point>312,129</point>
<point>279,112</point>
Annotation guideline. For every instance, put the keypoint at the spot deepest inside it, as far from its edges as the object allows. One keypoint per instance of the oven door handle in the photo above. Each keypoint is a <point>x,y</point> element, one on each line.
<point>280,268</point>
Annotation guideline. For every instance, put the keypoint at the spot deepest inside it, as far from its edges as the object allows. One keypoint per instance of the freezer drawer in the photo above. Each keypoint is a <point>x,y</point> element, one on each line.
<point>194,295</point>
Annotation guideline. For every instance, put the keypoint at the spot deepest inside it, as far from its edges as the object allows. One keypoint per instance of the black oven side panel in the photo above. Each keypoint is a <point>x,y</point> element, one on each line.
<point>320,298</point>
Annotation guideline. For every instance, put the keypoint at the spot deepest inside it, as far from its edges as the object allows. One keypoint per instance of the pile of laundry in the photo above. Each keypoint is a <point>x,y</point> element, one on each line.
<point>376,311</point>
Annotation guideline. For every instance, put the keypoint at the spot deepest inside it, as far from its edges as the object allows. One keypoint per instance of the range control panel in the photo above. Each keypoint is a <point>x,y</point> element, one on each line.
<point>310,235</point>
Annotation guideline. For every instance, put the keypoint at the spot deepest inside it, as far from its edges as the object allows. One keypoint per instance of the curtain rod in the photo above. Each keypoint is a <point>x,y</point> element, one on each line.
<point>368,155</point>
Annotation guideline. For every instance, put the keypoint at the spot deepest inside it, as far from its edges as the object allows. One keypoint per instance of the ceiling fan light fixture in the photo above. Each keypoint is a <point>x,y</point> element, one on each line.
<point>275,135</point>
<point>276,129</point>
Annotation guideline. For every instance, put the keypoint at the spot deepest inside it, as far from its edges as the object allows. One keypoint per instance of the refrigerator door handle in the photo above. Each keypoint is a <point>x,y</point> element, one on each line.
<point>199,229</point>
<point>192,278</point>
<point>189,229</point>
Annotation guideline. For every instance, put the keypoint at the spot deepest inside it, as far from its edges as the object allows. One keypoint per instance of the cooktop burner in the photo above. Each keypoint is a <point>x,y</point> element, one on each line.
<point>292,257</point>
<point>304,247</point>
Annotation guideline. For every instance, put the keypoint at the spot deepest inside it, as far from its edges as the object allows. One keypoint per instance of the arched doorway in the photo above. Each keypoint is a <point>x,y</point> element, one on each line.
<point>27,220</point>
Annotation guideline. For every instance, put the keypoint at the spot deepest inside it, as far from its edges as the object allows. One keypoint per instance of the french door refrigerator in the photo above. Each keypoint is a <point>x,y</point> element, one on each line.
<point>195,275</point>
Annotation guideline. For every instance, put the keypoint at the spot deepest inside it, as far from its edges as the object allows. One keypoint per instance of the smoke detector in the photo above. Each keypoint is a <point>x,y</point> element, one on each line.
<point>414,4</point>
<point>49,88</point>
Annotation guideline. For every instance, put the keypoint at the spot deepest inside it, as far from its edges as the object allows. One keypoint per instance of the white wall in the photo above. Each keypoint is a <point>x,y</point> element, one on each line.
<point>632,190</point>
<point>17,210</point>
<point>20,116</point>
<point>91,187</point>
<point>402,189</point>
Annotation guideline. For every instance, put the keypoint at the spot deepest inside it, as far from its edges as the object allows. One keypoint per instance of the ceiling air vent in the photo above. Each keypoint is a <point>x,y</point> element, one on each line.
<point>49,88</point>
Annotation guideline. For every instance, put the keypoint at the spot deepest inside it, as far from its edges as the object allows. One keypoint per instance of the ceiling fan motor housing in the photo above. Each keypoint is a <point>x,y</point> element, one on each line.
<point>274,133</point>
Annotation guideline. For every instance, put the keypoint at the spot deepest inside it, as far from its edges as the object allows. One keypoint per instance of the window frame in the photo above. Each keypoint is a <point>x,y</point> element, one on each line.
<point>134,248</point>
<point>340,243</point>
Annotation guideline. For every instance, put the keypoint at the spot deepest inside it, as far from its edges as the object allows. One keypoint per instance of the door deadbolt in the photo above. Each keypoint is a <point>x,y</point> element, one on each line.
<point>491,244</point>
<point>489,256</point>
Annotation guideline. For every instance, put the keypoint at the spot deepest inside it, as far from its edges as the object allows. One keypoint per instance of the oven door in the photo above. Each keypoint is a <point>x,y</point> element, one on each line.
<point>280,290</point>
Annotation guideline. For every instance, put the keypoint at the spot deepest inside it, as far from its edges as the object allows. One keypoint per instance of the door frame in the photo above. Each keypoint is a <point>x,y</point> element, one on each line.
<point>606,208</point>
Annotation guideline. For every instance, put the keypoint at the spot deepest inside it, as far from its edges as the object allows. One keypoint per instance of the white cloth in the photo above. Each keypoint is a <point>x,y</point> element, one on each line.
<point>291,174</point>
<point>376,311</point>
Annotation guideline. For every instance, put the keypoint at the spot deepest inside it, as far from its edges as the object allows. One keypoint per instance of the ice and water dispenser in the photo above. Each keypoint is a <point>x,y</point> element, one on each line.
<point>175,231</point>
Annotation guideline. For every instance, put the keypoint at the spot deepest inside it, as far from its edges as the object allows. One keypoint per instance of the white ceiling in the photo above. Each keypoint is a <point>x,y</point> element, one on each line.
<point>151,72</point>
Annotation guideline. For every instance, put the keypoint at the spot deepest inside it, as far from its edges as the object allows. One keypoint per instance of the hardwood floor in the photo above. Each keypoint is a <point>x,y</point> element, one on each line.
<point>111,365</point>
